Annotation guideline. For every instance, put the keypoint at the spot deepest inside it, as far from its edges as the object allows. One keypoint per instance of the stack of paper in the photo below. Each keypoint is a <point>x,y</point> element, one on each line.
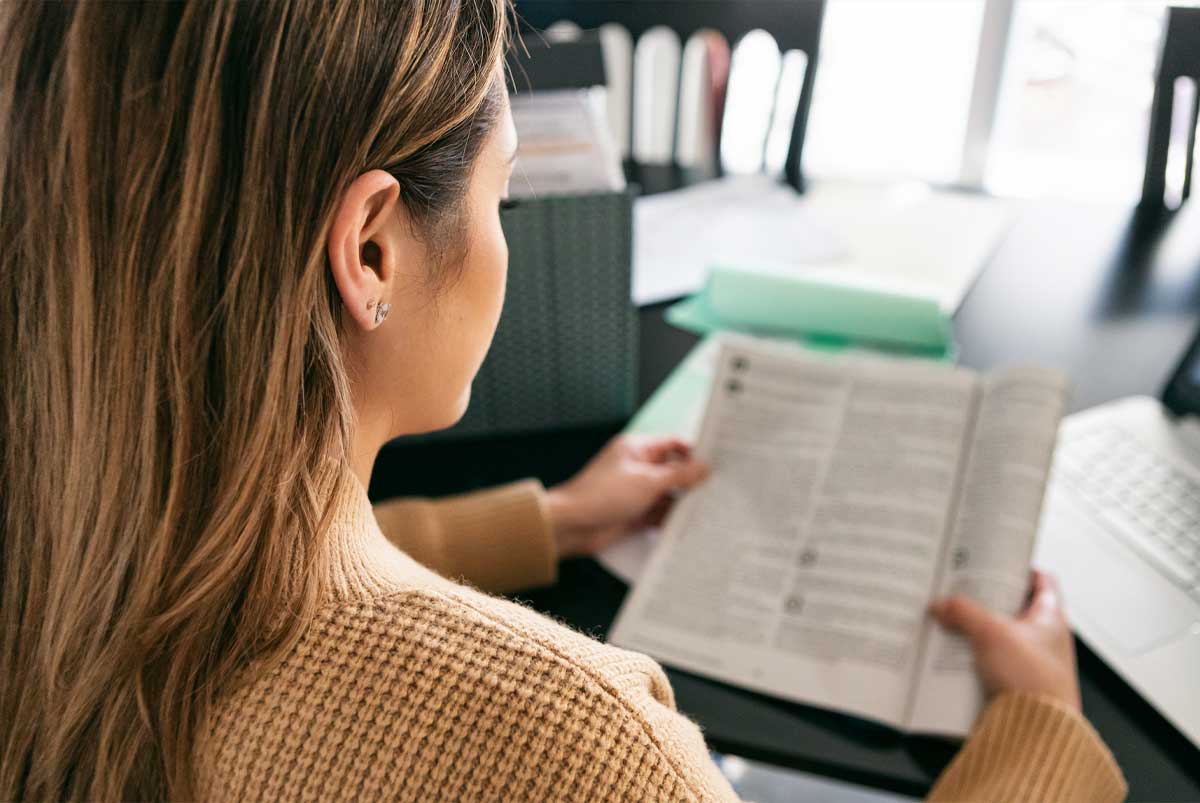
<point>565,147</point>
<point>906,239</point>
<point>744,220</point>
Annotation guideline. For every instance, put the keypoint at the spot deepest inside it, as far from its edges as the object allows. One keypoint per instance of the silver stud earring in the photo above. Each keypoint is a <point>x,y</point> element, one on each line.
<point>381,312</point>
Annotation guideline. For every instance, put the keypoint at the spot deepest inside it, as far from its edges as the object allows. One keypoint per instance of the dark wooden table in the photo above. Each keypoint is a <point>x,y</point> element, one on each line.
<point>1108,294</point>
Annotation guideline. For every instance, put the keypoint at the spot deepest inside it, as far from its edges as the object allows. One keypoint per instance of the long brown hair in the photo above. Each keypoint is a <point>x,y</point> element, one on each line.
<point>174,409</point>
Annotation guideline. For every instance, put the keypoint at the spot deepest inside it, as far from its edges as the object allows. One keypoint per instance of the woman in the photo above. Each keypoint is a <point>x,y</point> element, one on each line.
<point>244,246</point>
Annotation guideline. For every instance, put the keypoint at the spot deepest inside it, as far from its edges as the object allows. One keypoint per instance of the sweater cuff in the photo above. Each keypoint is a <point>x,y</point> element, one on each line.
<point>1031,747</point>
<point>502,537</point>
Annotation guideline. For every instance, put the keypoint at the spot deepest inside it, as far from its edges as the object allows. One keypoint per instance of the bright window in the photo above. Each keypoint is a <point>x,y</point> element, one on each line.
<point>1067,107</point>
<point>1075,105</point>
<point>893,89</point>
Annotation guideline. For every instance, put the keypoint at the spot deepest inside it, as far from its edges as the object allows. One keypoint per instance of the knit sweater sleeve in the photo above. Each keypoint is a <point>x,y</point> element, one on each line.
<point>1024,747</point>
<point>1029,747</point>
<point>497,540</point>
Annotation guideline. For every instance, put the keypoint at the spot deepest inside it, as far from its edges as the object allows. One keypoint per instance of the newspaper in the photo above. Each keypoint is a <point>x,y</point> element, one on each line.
<point>846,494</point>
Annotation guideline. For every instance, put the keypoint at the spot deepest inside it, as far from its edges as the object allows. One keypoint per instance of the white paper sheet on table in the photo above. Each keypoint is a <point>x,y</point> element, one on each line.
<point>739,220</point>
<point>902,237</point>
<point>628,557</point>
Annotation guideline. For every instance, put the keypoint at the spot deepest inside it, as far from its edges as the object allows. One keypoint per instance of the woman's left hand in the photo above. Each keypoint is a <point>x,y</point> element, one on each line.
<point>630,484</point>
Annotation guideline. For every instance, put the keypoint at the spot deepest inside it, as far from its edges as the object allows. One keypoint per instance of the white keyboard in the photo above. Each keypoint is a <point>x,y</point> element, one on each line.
<point>1149,503</point>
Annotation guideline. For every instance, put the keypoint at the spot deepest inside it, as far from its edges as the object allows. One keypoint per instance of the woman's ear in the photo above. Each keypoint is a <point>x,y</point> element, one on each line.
<point>367,241</point>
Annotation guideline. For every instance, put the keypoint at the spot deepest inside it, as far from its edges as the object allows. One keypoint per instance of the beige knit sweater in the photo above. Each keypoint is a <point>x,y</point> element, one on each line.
<point>410,686</point>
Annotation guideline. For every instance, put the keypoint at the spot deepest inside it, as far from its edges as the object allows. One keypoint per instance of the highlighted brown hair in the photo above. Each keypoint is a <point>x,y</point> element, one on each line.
<point>174,411</point>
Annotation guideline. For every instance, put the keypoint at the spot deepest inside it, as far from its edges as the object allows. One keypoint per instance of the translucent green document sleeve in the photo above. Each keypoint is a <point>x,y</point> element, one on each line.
<point>815,312</point>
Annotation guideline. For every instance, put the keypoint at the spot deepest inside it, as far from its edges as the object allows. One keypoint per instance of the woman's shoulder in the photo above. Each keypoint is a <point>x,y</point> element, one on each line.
<point>383,690</point>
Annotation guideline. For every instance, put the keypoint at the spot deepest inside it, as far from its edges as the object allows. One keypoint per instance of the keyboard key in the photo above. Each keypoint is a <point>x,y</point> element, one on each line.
<point>1151,504</point>
<point>1165,559</point>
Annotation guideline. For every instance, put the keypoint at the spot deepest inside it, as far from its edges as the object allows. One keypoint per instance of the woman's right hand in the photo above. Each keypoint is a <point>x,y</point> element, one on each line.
<point>1033,652</point>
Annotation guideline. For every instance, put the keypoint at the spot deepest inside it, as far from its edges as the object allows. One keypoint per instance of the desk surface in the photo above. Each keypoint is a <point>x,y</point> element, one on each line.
<point>1109,295</point>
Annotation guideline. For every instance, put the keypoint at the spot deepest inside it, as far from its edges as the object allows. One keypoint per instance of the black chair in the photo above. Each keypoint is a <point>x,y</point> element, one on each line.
<point>1180,57</point>
<point>794,24</point>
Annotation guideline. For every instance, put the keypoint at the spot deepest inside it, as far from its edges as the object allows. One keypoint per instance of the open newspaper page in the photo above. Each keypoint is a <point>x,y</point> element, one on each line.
<point>804,565</point>
<point>988,553</point>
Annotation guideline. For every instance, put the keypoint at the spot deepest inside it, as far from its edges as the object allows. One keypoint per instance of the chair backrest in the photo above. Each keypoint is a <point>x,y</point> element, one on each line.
<point>794,24</point>
<point>1180,59</point>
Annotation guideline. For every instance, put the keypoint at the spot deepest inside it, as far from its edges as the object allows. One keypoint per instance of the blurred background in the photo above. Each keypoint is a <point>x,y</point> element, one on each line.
<point>1071,97</point>
<point>1022,98</point>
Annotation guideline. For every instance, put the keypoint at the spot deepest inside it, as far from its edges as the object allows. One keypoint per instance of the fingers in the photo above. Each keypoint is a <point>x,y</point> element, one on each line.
<point>967,617</point>
<point>678,475</point>
<point>662,449</point>
<point>657,513</point>
<point>669,461</point>
<point>1045,602</point>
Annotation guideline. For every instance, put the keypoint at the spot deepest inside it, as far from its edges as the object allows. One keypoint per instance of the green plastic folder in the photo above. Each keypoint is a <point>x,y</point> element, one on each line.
<point>676,405</point>
<point>816,314</point>
<point>821,314</point>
